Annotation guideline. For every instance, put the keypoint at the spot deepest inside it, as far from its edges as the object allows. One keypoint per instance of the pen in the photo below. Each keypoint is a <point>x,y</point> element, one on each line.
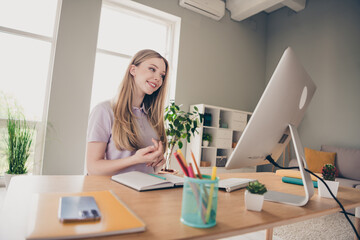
<point>155,175</point>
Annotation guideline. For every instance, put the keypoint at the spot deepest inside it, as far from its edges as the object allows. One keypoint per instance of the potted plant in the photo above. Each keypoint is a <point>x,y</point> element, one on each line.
<point>329,172</point>
<point>254,196</point>
<point>206,139</point>
<point>180,125</point>
<point>18,144</point>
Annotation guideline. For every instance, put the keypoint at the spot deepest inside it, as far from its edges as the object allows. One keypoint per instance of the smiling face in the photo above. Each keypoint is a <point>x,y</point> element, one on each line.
<point>148,76</point>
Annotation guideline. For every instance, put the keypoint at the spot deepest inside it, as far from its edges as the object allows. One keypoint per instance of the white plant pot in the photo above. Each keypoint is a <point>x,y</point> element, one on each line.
<point>205,143</point>
<point>8,178</point>
<point>253,202</point>
<point>324,192</point>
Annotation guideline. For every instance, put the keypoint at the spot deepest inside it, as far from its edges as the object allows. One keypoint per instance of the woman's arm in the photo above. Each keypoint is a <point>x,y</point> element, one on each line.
<point>97,165</point>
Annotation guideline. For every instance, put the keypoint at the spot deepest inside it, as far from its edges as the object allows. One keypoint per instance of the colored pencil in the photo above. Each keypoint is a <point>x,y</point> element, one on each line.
<point>182,157</point>
<point>181,163</point>
<point>208,210</point>
<point>196,166</point>
<point>191,171</point>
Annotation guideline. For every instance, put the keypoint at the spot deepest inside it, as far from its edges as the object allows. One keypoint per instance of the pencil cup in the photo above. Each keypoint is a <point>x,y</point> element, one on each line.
<point>199,202</point>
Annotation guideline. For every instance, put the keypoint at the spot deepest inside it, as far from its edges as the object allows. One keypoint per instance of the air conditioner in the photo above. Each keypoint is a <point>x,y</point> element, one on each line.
<point>214,9</point>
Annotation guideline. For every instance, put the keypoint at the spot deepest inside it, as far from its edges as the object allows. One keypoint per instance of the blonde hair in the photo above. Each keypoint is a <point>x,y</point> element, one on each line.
<point>125,131</point>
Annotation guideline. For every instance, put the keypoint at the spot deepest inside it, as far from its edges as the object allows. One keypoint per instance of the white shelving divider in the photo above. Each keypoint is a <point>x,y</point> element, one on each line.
<point>225,127</point>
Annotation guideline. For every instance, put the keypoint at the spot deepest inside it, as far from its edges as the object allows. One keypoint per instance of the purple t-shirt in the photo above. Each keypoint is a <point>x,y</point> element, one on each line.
<point>99,130</point>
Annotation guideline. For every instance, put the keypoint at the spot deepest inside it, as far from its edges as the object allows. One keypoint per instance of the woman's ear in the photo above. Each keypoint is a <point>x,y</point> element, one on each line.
<point>133,70</point>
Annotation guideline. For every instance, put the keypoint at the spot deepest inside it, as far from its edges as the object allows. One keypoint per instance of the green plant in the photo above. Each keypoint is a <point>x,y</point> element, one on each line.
<point>180,125</point>
<point>18,143</point>
<point>207,137</point>
<point>329,172</point>
<point>256,188</point>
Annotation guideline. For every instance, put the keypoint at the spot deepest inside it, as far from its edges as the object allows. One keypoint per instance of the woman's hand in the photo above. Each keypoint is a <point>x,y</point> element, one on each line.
<point>161,159</point>
<point>152,155</point>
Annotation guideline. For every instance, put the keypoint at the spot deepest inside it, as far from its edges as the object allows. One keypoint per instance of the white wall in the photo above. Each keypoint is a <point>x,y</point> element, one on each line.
<point>71,87</point>
<point>220,63</point>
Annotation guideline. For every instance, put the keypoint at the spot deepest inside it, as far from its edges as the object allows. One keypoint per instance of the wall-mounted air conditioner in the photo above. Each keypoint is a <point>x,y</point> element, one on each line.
<point>214,9</point>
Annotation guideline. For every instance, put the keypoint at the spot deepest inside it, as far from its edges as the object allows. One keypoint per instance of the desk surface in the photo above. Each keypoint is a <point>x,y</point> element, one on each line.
<point>161,209</point>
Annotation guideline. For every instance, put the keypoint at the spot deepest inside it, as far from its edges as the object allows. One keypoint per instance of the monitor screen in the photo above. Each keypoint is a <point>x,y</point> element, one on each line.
<point>284,102</point>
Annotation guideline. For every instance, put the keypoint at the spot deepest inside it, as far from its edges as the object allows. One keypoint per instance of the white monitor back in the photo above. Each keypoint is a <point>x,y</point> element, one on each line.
<point>283,102</point>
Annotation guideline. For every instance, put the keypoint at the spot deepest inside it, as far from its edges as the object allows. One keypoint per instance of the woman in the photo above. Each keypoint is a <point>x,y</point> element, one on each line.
<point>128,133</point>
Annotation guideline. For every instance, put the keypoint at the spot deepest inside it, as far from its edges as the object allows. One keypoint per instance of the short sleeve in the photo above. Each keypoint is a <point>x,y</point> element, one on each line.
<point>100,123</point>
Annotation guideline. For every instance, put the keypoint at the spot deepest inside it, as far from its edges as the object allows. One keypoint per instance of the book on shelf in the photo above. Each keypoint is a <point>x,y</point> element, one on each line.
<point>116,218</point>
<point>143,181</point>
<point>297,181</point>
<point>231,184</point>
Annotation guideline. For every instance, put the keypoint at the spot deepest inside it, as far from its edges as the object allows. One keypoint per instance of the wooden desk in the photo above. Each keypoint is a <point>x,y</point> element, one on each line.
<point>161,209</point>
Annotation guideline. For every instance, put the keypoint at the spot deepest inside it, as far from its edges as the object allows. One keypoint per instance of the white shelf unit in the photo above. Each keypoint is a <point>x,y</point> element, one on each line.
<point>225,127</point>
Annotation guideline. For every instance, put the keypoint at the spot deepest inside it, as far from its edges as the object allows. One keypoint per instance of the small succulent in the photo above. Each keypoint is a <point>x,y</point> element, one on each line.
<point>329,172</point>
<point>256,188</point>
<point>207,137</point>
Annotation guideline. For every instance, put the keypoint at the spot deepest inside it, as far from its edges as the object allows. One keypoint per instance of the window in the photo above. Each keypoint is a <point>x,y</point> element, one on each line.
<point>27,34</point>
<point>125,28</point>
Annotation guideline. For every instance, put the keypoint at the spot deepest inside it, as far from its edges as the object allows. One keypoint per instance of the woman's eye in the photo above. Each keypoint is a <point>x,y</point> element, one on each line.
<point>152,69</point>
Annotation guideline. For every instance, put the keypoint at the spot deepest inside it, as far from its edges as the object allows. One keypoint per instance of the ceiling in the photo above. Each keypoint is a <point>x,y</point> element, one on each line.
<point>242,9</point>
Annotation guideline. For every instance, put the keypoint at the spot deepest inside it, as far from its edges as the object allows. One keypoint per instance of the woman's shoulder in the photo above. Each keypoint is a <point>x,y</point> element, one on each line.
<point>104,106</point>
<point>100,122</point>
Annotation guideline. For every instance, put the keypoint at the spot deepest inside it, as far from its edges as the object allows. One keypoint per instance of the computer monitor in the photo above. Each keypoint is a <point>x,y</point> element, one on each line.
<point>274,122</point>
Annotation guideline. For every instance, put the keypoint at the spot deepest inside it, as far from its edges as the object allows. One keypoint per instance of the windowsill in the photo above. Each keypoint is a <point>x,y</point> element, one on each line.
<point>2,181</point>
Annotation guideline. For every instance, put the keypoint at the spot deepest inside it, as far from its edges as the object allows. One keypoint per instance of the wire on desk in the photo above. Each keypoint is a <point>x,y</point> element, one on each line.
<point>272,161</point>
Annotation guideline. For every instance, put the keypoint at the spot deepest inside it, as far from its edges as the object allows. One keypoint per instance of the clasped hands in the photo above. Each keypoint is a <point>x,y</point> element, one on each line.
<point>153,155</point>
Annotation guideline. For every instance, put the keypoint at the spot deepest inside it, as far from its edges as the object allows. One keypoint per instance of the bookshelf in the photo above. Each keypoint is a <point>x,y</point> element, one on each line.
<point>225,125</point>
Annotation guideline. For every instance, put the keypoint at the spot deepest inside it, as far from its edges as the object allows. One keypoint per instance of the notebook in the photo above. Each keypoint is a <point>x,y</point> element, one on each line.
<point>143,181</point>
<point>231,184</point>
<point>116,218</point>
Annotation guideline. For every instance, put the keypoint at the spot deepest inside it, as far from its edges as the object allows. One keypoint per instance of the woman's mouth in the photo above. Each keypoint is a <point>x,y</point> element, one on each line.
<point>152,85</point>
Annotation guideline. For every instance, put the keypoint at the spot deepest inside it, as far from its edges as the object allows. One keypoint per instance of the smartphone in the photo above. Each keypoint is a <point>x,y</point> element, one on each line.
<point>78,209</point>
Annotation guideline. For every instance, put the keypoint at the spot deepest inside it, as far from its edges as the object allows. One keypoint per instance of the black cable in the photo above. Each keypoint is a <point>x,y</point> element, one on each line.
<point>271,160</point>
<point>348,213</point>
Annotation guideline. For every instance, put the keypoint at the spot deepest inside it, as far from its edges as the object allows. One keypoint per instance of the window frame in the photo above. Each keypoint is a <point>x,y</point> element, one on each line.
<point>173,37</point>
<point>40,126</point>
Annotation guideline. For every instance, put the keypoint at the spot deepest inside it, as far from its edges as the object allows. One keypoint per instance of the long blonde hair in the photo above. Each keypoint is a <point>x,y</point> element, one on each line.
<point>125,131</point>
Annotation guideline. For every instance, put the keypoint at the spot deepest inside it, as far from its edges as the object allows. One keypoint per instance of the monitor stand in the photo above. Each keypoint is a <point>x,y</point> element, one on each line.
<point>292,199</point>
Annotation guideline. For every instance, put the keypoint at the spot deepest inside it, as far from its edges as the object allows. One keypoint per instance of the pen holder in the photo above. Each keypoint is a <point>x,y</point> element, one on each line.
<point>199,202</point>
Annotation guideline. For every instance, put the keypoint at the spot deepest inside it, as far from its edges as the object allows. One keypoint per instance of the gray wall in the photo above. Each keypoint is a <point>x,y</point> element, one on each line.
<point>220,63</point>
<point>223,63</point>
<point>325,37</point>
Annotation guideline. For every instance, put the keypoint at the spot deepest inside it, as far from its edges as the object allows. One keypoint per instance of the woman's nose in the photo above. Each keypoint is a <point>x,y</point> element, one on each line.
<point>157,77</point>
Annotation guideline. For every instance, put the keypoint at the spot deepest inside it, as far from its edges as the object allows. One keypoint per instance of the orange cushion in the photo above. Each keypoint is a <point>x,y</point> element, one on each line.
<point>317,159</point>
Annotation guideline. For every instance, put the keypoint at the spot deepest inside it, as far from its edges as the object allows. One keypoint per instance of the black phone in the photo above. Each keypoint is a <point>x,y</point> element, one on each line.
<point>78,209</point>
